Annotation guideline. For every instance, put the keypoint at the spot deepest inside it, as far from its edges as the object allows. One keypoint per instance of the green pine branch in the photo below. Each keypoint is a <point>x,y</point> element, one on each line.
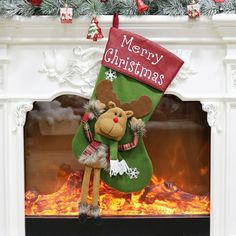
<point>153,7</point>
<point>127,7</point>
<point>20,7</point>
<point>209,7</point>
<point>9,8</point>
<point>111,7</point>
<point>92,8</point>
<point>76,5</point>
<point>51,7</point>
<point>229,6</point>
<point>172,7</point>
<point>25,8</point>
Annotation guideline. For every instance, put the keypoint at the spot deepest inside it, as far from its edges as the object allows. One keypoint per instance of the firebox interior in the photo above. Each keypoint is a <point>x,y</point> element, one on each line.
<point>178,143</point>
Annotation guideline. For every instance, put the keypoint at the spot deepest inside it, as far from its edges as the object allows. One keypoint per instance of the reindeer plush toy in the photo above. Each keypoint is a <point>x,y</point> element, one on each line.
<point>102,151</point>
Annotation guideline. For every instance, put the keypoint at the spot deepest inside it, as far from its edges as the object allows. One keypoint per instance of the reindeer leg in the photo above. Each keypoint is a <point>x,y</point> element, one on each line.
<point>94,210</point>
<point>83,206</point>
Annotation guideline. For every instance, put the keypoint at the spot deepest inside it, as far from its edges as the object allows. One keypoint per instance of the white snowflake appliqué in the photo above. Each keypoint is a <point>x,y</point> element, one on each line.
<point>133,173</point>
<point>110,75</point>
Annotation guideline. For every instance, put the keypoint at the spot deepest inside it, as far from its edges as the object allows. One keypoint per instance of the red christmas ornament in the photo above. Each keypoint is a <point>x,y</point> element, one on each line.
<point>66,14</point>
<point>94,31</point>
<point>193,9</point>
<point>35,3</point>
<point>219,1</point>
<point>141,6</point>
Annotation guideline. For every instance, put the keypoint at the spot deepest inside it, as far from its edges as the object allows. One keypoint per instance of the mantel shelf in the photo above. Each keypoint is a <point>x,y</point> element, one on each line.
<point>164,29</point>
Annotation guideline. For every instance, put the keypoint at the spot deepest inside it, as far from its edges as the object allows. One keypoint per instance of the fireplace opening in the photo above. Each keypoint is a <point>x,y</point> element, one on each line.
<point>178,143</point>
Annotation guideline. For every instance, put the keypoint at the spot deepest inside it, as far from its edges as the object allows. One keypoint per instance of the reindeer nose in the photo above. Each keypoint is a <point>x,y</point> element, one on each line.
<point>115,119</point>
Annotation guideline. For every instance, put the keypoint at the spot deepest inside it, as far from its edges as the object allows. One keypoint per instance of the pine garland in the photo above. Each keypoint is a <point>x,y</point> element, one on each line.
<point>9,8</point>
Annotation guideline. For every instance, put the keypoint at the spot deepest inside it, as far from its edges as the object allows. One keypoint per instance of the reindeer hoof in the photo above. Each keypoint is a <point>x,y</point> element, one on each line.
<point>95,212</point>
<point>83,210</point>
<point>82,217</point>
<point>97,220</point>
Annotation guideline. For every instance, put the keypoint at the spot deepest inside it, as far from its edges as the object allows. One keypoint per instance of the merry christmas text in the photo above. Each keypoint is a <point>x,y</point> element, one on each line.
<point>115,57</point>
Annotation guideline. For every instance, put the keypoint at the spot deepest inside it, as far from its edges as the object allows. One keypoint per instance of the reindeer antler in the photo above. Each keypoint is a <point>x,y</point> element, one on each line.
<point>141,107</point>
<point>104,93</point>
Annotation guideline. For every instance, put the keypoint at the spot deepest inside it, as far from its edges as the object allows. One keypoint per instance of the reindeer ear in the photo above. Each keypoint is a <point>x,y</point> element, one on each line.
<point>129,113</point>
<point>111,104</point>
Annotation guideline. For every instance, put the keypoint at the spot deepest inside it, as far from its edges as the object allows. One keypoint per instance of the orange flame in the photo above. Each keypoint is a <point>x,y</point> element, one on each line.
<point>160,198</point>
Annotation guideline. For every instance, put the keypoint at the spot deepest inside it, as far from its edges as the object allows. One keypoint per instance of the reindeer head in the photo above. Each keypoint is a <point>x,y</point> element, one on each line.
<point>112,123</point>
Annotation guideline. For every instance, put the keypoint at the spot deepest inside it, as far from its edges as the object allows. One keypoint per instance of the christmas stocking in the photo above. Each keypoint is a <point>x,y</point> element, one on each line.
<point>134,74</point>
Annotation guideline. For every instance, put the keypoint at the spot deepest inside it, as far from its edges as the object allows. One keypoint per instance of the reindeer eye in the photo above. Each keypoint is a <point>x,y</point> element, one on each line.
<point>115,113</point>
<point>120,115</point>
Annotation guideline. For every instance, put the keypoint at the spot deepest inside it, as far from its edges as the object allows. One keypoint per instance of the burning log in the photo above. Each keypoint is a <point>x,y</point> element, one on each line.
<point>158,199</point>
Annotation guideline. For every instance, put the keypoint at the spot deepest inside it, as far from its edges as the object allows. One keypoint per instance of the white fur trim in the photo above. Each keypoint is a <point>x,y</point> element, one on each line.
<point>123,167</point>
<point>83,208</point>
<point>94,211</point>
<point>93,108</point>
<point>138,126</point>
<point>98,158</point>
<point>114,167</point>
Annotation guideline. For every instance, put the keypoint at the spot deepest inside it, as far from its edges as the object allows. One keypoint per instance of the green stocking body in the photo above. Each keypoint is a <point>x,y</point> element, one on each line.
<point>127,89</point>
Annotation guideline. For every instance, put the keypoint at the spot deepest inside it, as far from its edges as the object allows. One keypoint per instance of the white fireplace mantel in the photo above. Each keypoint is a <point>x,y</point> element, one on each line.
<point>41,59</point>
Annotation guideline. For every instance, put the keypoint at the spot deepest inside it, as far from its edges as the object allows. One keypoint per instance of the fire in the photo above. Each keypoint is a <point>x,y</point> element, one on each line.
<point>160,198</point>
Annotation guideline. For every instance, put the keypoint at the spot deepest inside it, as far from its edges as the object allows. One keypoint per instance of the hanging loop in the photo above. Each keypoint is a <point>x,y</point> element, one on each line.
<point>116,20</point>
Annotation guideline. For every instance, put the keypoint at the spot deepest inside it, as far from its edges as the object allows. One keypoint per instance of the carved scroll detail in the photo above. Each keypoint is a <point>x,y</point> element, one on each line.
<point>81,71</point>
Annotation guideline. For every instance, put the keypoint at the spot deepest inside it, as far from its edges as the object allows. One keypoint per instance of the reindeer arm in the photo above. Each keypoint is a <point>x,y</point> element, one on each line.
<point>87,131</point>
<point>128,146</point>
<point>93,109</point>
<point>138,127</point>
